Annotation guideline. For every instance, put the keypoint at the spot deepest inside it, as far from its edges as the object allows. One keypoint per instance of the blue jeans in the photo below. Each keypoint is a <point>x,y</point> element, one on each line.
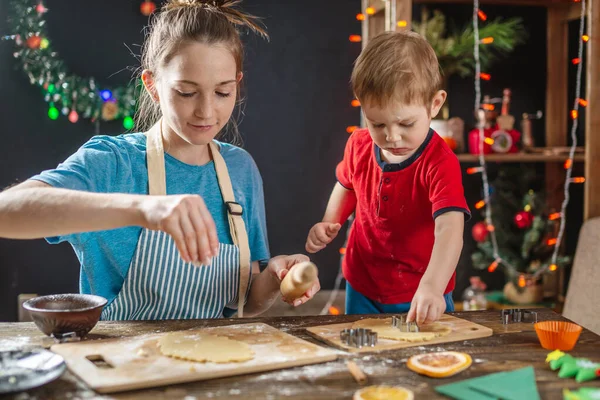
<point>356,303</point>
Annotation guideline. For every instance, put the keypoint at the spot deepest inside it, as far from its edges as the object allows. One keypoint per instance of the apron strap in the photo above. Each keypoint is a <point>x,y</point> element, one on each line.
<point>237,227</point>
<point>157,186</point>
<point>155,158</point>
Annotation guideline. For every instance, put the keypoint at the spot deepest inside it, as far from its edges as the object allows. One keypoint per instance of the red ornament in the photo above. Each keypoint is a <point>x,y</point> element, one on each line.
<point>34,42</point>
<point>480,232</point>
<point>73,116</point>
<point>147,7</point>
<point>40,8</point>
<point>523,219</point>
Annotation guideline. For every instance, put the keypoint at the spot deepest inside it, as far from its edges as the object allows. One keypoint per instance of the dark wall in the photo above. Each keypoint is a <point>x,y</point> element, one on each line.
<point>294,125</point>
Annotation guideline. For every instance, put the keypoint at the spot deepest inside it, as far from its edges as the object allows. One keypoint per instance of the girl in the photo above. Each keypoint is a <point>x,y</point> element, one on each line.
<point>168,223</point>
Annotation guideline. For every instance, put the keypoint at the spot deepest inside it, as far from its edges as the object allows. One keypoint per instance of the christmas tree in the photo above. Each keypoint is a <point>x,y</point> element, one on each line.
<point>525,228</point>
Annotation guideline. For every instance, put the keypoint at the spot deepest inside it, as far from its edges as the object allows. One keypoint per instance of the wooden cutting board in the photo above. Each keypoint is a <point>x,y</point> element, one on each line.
<point>461,330</point>
<point>136,362</point>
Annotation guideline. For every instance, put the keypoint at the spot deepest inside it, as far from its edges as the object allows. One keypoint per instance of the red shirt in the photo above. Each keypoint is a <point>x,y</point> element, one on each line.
<point>392,236</point>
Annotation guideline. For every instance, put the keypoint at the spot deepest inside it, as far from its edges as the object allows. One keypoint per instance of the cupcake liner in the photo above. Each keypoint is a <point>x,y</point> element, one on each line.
<point>557,335</point>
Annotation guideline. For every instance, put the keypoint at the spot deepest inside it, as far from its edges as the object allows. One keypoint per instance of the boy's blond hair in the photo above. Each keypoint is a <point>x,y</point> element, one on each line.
<point>397,66</point>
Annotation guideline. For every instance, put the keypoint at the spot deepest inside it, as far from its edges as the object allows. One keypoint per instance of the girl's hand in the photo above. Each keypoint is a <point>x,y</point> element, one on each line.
<point>321,235</point>
<point>187,220</point>
<point>279,267</point>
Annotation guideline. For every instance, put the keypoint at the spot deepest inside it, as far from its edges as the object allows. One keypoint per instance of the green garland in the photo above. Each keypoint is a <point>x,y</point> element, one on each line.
<point>67,94</point>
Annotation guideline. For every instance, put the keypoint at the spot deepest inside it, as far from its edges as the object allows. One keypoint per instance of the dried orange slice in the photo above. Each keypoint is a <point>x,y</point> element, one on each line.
<point>382,392</point>
<point>439,365</point>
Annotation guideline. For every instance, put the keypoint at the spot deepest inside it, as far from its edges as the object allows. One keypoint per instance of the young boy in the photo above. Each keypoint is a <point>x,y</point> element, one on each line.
<point>403,183</point>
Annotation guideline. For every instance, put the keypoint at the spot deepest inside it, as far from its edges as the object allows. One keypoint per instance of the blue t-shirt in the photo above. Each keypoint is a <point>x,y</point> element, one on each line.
<point>117,164</point>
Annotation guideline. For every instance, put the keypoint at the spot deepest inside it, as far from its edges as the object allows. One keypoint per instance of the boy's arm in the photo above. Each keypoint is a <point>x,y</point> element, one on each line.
<point>446,250</point>
<point>342,203</point>
<point>428,304</point>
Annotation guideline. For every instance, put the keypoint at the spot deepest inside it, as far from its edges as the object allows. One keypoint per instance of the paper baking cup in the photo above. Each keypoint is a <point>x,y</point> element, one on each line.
<point>557,335</point>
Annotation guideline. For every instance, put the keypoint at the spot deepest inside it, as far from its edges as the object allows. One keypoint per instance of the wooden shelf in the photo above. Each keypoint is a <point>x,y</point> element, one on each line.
<point>541,3</point>
<point>519,158</point>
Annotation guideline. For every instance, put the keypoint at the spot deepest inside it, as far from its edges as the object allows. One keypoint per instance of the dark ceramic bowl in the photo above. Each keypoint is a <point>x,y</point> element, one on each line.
<point>65,315</point>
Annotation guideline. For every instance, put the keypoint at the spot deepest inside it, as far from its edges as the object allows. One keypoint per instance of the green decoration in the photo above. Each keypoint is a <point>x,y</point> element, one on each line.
<point>582,394</point>
<point>525,249</point>
<point>53,113</point>
<point>581,369</point>
<point>454,50</point>
<point>41,63</point>
<point>128,123</point>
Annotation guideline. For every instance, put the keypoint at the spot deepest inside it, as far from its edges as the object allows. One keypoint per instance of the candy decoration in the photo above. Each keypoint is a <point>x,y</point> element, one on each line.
<point>581,369</point>
<point>582,394</point>
<point>439,365</point>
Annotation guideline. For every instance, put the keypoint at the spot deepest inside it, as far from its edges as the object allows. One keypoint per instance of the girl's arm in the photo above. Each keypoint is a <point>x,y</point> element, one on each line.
<point>35,209</point>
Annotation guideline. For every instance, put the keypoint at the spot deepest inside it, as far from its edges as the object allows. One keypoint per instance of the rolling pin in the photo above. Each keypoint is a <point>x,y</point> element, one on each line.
<point>298,280</point>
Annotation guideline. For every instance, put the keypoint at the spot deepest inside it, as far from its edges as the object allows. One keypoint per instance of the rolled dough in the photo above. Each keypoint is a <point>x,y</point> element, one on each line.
<point>385,330</point>
<point>204,347</point>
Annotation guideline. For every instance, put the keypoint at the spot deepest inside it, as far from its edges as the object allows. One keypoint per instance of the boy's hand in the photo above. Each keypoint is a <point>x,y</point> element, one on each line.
<point>427,305</point>
<point>321,235</point>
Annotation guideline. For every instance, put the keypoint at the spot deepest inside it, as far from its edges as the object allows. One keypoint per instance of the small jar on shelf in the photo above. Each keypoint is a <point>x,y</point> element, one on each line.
<point>474,296</point>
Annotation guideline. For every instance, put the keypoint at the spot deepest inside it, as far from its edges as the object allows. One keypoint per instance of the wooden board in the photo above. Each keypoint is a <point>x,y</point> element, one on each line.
<point>137,362</point>
<point>461,330</point>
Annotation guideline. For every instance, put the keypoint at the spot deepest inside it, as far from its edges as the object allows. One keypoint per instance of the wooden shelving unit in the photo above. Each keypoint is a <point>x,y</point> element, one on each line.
<point>519,158</point>
<point>559,14</point>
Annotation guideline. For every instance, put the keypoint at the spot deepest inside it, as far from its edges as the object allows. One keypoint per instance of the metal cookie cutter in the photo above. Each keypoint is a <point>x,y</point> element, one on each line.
<point>400,323</point>
<point>359,337</point>
<point>518,315</point>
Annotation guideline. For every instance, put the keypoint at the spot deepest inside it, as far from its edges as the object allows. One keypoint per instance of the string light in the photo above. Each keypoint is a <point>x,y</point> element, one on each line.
<point>481,15</point>
<point>370,10</point>
<point>360,17</point>
<point>489,140</point>
<point>487,107</point>
<point>487,40</point>
<point>355,103</point>
<point>582,102</point>
<point>554,216</point>
<point>482,139</point>
<point>551,242</point>
<point>579,179</point>
<point>568,163</point>
<point>128,123</point>
<point>576,61</point>
<point>494,265</point>
<point>355,38</point>
<point>491,228</point>
<point>574,125</point>
<point>521,282</point>
<point>351,129</point>
<point>402,23</point>
<point>474,170</point>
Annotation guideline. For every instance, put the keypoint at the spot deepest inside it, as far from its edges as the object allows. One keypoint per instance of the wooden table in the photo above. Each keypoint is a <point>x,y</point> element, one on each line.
<point>511,347</point>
